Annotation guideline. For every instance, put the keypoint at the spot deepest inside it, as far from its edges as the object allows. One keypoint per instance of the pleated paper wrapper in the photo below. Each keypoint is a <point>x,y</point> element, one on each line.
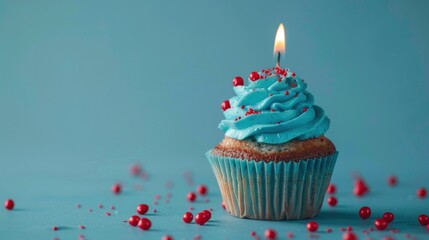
<point>273,190</point>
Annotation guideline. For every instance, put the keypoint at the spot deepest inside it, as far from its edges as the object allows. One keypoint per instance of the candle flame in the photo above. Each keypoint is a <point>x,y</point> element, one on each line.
<point>280,42</point>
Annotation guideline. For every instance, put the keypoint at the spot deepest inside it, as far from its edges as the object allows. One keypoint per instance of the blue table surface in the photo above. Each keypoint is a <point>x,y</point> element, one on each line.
<point>46,198</point>
<point>88,88</point>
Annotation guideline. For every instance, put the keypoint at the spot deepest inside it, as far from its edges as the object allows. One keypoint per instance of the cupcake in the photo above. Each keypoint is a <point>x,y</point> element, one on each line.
<point>275,162</point>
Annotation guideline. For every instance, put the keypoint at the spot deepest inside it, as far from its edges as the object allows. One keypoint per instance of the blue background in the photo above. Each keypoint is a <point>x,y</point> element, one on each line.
<point>89,87</point>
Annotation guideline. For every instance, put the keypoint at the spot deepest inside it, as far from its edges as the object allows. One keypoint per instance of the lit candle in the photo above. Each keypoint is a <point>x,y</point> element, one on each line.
<point>280,43</point>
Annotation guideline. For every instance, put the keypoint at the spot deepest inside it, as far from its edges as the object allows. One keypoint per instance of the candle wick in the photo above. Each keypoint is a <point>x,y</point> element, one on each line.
<point>278,59</point>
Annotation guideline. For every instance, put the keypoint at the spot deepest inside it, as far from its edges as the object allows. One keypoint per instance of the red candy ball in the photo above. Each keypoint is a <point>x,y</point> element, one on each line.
<point>208,214</point>
<point>312,226</point>
<point>225,105</point>
<point>380,223</point>
<point>201,218</point>
<point>254,76</point>
<point>187,217</point>
<point>365,212</point>
<point>134,220</point>
<point>360,188</point>
<point>331,189</point>
<point>142,209</point>
<point>202,189</point>
<point>332,201</point>
<point>270,233</point>
<point>349,236</point>
<point>392,181</point>
<point>237,81</point>
<point>144,224</point>
<point>423,219</point>
<point>167,237</point>
<point>116,189</point>
<point>9,204</point>
<point>223,205</point>
<point>191,197</point>
<point>388,216</point>
<point>421,192</point>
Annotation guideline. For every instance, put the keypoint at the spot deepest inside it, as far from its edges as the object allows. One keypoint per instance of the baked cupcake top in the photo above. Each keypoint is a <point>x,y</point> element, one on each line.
<point>274,107</point>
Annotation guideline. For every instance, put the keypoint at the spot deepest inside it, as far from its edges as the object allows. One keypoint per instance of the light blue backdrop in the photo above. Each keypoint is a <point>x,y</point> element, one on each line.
<point>88,87</point>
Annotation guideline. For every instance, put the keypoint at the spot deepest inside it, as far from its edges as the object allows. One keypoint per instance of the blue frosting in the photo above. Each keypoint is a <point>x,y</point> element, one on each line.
<point>274,109</point>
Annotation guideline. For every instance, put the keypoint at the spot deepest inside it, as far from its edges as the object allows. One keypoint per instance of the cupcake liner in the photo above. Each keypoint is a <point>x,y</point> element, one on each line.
<point>273,190</point>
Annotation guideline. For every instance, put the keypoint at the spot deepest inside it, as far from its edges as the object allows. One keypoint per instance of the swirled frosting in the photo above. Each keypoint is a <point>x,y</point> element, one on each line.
<point>274,109</point>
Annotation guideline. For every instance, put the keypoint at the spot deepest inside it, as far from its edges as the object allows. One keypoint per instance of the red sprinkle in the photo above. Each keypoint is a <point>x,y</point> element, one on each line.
<point>82,227</point>
<point>349,228</point>
<point>225,105</point>
<point>388,216</point>
<point>252,233</point>
<point>9,204</point>
<point>188,217</point>
<point>254,76</point>
<point>135,169</point>
<point>287,93</point>
<point>142,209</point>
<point>329,230</point>
<point>380,224</point>
<point>167,237</point>
<point>108,214</point>
<point>349,236</point>
<point>54,228</point>
<point>293,74</point>
<point>78,205</point>
<point>270,233</point>
<point>421,192</point>
<point>360,188</point>
<point>202,189</point>
<point>423,219</point>
<point>312,226</point>
<point>191,196</point>
<point>332,201</point>
<point>304,109</point>
<point>100,205</point>
<point>223,205</point>
<point>144,224</point>
<point>392,181</point>
<point>331,189</point>
<point>365,212</point>
<point>237,81</point>
<point>116,188</point>
<point>290,235</point>
<point>134,220</point>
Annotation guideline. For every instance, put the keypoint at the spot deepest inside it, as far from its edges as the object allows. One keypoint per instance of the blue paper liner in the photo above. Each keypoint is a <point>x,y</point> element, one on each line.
<point>273,190</point>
